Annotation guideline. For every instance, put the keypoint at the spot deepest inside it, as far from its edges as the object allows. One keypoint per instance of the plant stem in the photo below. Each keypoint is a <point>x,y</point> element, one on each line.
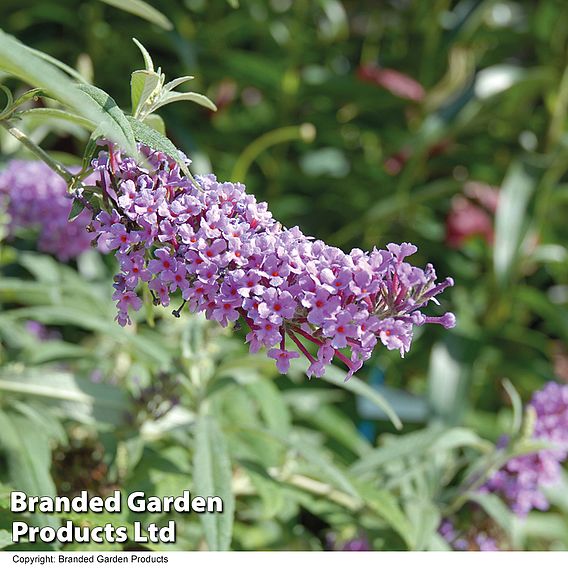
<point>319,343</point>
<point>307,354</point>
<point>39,152</point>
<point>319,488</point>
<point>305,132</point>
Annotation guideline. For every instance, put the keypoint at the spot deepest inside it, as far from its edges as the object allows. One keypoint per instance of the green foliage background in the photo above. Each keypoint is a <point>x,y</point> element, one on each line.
<point>291,453</point>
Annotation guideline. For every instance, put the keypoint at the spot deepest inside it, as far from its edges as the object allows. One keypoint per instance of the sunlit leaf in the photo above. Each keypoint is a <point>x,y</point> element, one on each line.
<point>44,114</point>
<point>89,102</point>
<point>511,218</point>
<point>147,58</point>
<point>177,82</point>
<point>75,397</point>
<point>142,10</point>
<point>173,97</point>
<point>110,108</point>
<point>142,85</point>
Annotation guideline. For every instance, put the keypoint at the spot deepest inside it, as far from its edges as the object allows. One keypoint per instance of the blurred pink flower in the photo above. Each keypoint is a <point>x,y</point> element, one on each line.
<point>397,83</point>
<point>472,214</point>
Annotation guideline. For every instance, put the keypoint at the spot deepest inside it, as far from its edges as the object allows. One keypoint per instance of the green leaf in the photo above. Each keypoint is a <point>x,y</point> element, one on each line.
<point>9,99</point>
<point>212,476</point>
<point>271,492</point>
<point>337,425</point>
<point>449,378</point>
<point>114,114</point>
<point>91,149</point>
<point>386,506</point>
<point>142,10</point>
<point>517,404</point>
<point>546,527</point>
<point>319,459</point>
<point>156,122</point>
<point>62,314</point>
<point>398,448</point>
<point>147,58</point>
<point>36,412</point>
<point>76,210</point>
<point>5,539</point>
<point>177,82</point>
<point>28,96</point>
<point>511,218</point>
<point>426,520</point>
<point>174,97</point>
<point>27,452</point>
<point>55,351</point>
<point>142,84</point>
<point>152,138</point>
<point>272,406</point>
<point>335,26</point>
<point>21,62</point>
<point>459,438</point>
<point>63,66</point>
<point>496,509</point>
<point>58,114</point>
<point>5,491</point>
<point>75,397</point>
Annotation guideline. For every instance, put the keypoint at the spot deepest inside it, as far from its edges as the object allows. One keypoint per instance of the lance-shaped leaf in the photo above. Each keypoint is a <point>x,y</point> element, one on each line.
<point>9,99</point>
<point>91,103</point>
<point>107,103</point>
<point>147,58</point>
<point>142,10</point>
<point>174,97</point>
<point>177,82</point>
<point>511,220</point>
<point>91,148</point>
<point>76,210</point>
<point>27,452</point>
<point>58,114</point>
<point>68,395</point>
<point>212,476</point>
<point>63,66</point>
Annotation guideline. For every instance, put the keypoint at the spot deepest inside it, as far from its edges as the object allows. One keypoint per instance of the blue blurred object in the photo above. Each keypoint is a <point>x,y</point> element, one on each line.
<point>367,429</point>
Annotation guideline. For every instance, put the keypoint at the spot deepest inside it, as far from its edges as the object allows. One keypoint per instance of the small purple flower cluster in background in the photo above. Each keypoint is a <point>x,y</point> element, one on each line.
<point>522,478</point>
<point>36,197</point>
<point>477,541</point>
<point>358,543</point>
<point>41,332</point>
<point>229,258</point>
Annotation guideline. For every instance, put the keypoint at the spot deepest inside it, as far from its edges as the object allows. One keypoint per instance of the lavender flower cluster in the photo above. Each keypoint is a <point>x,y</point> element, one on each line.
<point>522,478</point>
<point>36,197</point>
<point>230,259</point>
